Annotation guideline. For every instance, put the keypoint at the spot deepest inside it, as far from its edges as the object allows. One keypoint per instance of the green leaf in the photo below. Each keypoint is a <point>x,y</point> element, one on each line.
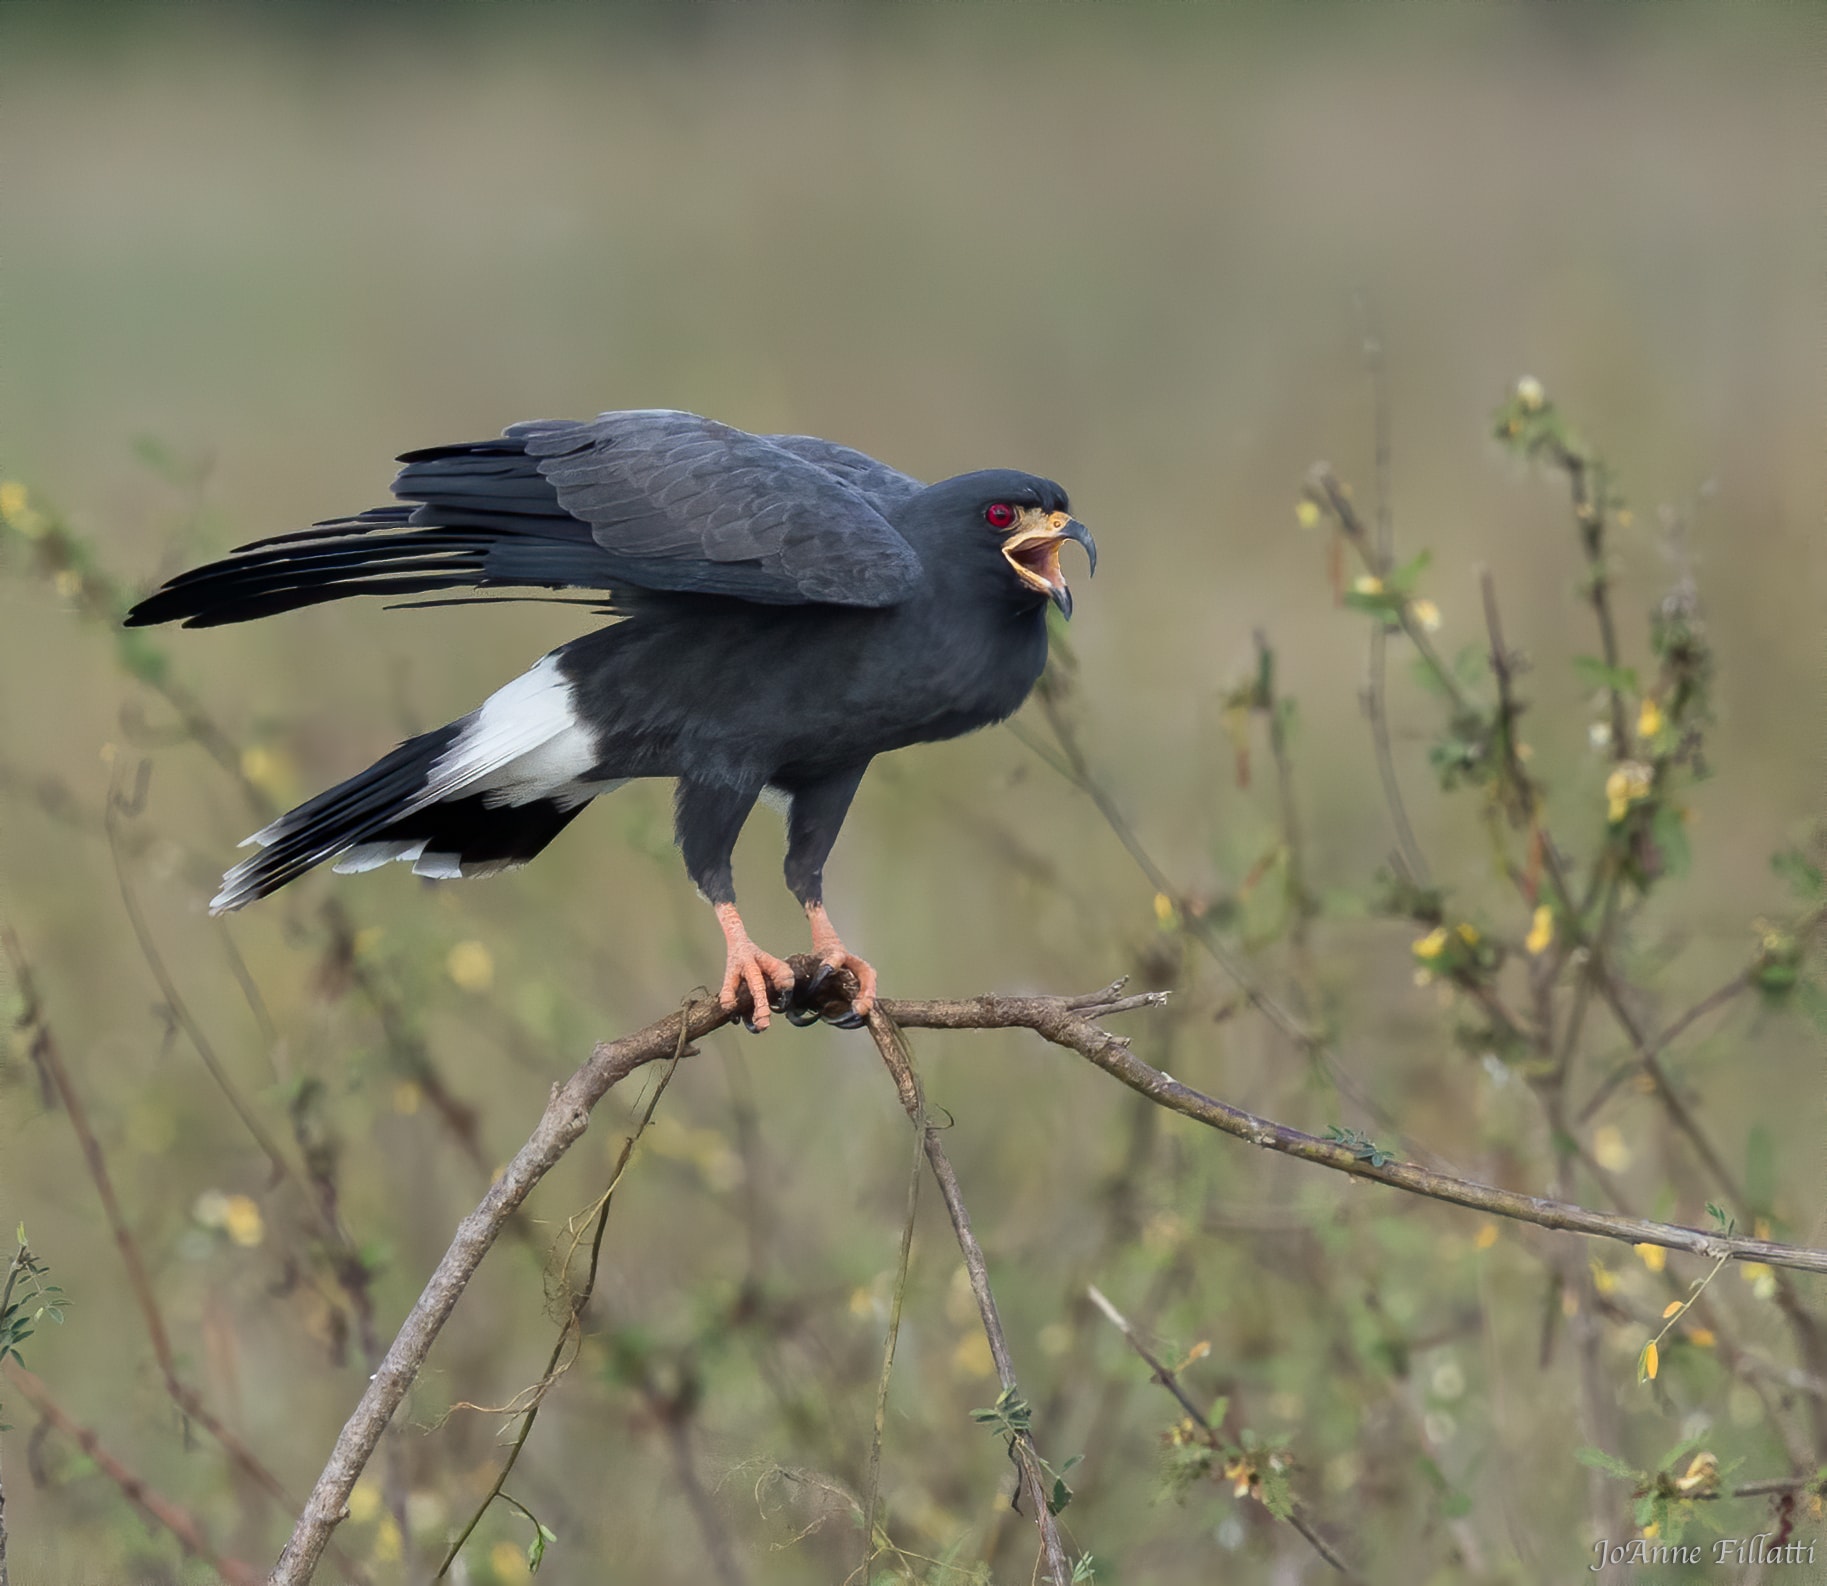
<point>1760,1169</point>
<point>1595,674</point>
<point>1804,879</point>
<point>1405,577</point>
<point>1669,833</point>
<point>536,1549</point>
<point>1810,1000</point>
<point>1273,1491</point>
<point>1598,1459</point>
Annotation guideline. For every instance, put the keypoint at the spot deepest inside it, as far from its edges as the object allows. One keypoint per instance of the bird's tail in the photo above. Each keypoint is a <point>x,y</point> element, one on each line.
<point>480,795</point>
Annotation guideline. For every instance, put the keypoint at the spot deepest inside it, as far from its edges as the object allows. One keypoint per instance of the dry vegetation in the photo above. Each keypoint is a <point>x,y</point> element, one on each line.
<point>1459,1207</point>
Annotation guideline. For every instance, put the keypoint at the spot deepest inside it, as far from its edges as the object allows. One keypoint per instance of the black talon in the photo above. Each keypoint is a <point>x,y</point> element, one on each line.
<point>820,975</point>
<point>800,1016</point>
<point>849,1019</point>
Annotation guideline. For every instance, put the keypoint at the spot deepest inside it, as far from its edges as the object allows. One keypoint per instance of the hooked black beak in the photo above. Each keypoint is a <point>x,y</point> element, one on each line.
<point>1061,593</point>
<point>1035,555</point>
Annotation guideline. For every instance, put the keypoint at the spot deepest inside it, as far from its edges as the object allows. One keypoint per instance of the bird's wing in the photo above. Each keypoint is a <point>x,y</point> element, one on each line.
<point>884,488</point>
<point>646,500</point>
<point>679,502</point>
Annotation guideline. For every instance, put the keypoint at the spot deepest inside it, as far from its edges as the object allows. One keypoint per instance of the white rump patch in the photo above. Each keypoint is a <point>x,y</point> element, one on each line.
<point>371,856</point>
<point>525,743</point>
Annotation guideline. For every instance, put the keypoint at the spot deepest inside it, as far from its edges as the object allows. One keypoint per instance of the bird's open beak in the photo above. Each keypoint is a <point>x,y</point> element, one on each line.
<point>1033,551</point>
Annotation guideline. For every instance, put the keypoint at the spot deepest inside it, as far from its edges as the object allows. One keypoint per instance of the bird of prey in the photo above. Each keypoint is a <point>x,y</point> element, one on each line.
<point>787,609</point>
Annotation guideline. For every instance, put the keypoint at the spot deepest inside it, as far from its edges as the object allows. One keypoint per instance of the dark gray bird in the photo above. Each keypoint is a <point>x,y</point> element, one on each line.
<point>789,609</point>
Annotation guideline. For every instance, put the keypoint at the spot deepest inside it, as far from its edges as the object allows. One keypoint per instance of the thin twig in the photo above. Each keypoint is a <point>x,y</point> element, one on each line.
<point>579,1300</point>
<point>1166,1376</point>
<point>561,1125</point>
<point>872,1480</point>
<point>893,1048</point>
<point>1409,856</point>
<point>186,1398</point>
<point>1075,1029</point>
<point>1067,1022</point>
<point>157,1508</point>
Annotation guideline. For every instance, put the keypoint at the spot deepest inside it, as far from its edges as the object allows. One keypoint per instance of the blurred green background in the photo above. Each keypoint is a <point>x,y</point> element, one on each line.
<point>250,254</point>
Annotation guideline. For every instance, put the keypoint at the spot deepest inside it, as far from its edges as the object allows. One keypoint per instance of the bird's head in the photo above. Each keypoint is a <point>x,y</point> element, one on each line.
<point>1009,528</point>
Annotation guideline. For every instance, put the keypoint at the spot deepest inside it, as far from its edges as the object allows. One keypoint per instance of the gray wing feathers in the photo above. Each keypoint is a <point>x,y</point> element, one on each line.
<point>684,503</point>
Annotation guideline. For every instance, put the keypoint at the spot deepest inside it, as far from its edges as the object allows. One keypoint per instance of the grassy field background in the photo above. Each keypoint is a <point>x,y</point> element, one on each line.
<point>249,255</point>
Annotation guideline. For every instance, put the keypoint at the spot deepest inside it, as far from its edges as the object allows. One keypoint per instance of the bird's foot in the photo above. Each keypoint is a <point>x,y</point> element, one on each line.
<point>747,967</point>
<point>833,956</point>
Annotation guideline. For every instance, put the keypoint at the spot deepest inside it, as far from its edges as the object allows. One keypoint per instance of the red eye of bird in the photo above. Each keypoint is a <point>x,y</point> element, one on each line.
<point>999,515</point>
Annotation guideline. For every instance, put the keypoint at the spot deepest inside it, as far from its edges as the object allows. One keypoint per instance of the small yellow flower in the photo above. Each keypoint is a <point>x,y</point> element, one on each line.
<point>243,1222</point>
<point>1367,584</point>
<point>972,1357</point>
<point>1541,930</point>
<point>1604,1280</point>
<point>67,583</point>
<point>406,1097</point>
<point>471,966</point>
<point>1650,1363</point>
<point>1431,945</point>
<point>508,1561</point>
<point>367,939</point>
<point>266,769</point>
<point>1649,719</point>
<point>1164,910</point>
<point>1306,513</point>
<point>13,500</point>
<point>1701,1337</point>
<point>1654,1257</point>
<point>1425,613</point>
<point>1469,935</point>
<point>1626,786</point>
<point>1529,392</point>
<point>1485,1237</point>
<point>364,1501</point>
<point>1701,1475</point>
<point>1654,1529</point>
<point>1609,1149</point>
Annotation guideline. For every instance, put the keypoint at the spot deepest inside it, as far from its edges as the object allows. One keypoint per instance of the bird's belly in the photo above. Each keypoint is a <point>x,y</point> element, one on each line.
<point>742,699</point>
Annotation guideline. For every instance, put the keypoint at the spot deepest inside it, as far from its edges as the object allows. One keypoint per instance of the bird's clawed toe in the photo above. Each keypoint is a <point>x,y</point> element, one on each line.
<point>840,959</point>
<point>767,980</point>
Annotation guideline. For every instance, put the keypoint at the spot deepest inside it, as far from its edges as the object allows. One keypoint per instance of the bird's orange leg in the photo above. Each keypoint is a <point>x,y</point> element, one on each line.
<point>827,946</point>
<point>745,964</point>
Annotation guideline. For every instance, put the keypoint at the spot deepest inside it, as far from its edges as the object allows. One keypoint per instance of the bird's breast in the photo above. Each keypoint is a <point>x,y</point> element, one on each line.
<point>743,691</point>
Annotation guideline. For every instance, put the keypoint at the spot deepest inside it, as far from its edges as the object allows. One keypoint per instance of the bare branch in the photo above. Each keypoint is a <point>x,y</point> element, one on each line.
<point>890,1043</point>
<point>1065,1022</point>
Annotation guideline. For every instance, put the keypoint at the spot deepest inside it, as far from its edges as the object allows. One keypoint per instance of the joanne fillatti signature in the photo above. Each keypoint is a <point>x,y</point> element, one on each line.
<point>1759,1549</point>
